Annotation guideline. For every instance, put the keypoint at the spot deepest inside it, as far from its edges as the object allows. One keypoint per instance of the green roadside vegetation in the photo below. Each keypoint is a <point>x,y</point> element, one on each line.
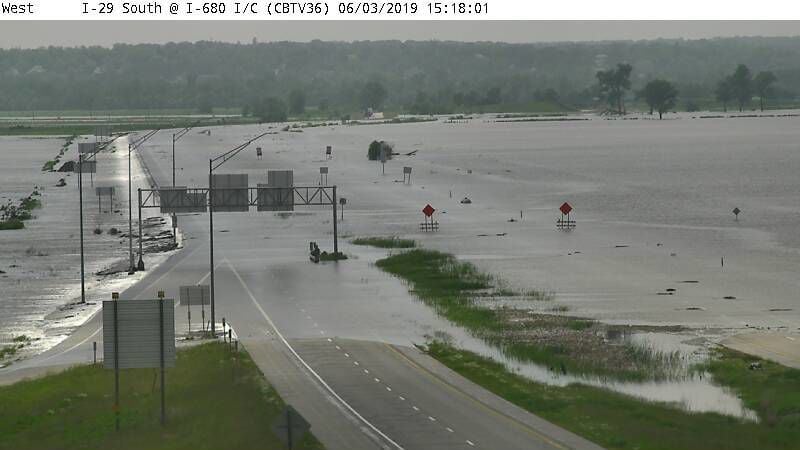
<point>216,398</point>
<point>616,421</point>
<point>50,166</point>
<point>462,294</point>
<point>337,256</point>
<point>13,217</point>
<point>476,301</point>
<point>384,242</point>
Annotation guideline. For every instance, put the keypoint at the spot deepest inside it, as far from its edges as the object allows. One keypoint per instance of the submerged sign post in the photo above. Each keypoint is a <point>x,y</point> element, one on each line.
<point>564,223</point>
<point>139,334</point>
<point>406,175</point>
<point>107,191</point>
<point>429,224</point>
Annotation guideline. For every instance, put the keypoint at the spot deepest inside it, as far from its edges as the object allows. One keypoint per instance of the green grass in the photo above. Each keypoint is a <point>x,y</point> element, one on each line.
<point>325,256</point>
<point>772,390</point>
<point>49,165</point>
<point>11,224</point>
<point>216,399</point>
<point>616,421</point>
<point>462,294</point>
<point>385,242</point>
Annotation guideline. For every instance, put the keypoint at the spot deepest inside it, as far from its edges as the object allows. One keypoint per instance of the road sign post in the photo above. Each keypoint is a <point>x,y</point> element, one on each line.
<point>290,427</point>
<point>132,340</point>
<point>564,223</point>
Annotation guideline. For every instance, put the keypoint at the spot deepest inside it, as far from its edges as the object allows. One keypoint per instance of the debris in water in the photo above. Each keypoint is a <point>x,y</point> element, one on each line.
<point>466,201</point>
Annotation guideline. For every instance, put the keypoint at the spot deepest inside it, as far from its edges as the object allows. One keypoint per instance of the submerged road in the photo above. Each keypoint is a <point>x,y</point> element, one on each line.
<point>334,339</point>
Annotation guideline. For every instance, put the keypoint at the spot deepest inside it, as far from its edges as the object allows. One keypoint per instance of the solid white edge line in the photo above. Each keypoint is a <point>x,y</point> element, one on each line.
<point>303,362</point>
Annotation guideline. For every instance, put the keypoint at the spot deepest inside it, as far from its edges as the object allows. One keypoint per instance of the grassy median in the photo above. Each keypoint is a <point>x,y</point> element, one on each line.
<point>216,399</point>
<point>616,421</point>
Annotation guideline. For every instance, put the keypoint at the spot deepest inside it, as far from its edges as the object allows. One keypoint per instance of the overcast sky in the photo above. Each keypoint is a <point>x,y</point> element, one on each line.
<point>36,34</point>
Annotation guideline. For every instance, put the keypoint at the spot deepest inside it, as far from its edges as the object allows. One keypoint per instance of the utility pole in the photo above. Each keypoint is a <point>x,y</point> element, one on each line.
<point>80,207</point>
<point>131,147</point>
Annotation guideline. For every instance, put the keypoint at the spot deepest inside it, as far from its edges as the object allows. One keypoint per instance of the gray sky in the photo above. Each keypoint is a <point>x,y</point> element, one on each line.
<point>71,33</point>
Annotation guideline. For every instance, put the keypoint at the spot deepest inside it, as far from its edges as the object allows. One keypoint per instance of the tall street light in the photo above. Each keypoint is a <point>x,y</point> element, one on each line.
<point>175,138</point>
<point>214,164</point>
<point>131,147</point>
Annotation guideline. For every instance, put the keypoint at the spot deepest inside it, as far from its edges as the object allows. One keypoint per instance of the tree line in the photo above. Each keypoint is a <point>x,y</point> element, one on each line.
<point>338,78</point>
<point>661,95</point>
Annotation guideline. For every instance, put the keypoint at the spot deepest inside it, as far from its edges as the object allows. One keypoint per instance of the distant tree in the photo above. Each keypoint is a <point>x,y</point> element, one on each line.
<point>660,96</point>
<point>270,109</point>
<point>692,106</point>
<point>297,102</point>
<point>763,84</point>
<point>373,94</point>
<point>613,84</point>
<point>724,92</point>
<point>324,104</point>
<point>742,85</point>
<point>376,148</point>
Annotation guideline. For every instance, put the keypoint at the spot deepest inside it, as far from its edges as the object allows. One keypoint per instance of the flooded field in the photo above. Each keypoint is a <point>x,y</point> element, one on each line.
<point>40,264</point>
<point>656,243</point>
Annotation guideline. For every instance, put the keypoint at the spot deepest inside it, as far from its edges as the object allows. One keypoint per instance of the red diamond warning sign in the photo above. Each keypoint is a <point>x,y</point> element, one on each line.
<point>428,210</point>
<point>565,208</point>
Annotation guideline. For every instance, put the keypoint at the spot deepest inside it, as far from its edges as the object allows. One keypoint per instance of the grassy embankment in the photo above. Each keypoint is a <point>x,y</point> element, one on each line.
<point>475,301</point>
<point>216,399</point>
<point>385,242</point>
<point>616,421</point>
<point>612,420</point>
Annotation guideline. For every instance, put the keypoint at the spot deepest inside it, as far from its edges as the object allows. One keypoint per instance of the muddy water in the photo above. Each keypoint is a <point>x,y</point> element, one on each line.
<point>42,261</point>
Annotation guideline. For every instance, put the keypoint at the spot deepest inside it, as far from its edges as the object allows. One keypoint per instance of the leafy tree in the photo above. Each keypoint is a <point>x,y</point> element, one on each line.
<point>742,85</point>
<point>297,102</point>
<point>660,95</point>
<point>373,94</point>
<point>763,84</point>
<point>724,92</point>
<point>270,109</point>
<point>376,148</point>
<point>613,84</point>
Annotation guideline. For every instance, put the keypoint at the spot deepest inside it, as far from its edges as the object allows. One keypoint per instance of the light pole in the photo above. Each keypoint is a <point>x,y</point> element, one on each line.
<point>131,147</point>
<point>175,138</point>
<point>80,206</point>
<point>214,164</point>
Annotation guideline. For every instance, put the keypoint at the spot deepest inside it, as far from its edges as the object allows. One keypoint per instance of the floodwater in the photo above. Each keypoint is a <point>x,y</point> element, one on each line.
<point>41,263</point>
<point>652,200</point>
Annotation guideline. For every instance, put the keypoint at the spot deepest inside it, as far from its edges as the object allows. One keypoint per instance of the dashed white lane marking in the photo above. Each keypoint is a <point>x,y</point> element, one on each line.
<point>400,397</point>
<point>305,364</point>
